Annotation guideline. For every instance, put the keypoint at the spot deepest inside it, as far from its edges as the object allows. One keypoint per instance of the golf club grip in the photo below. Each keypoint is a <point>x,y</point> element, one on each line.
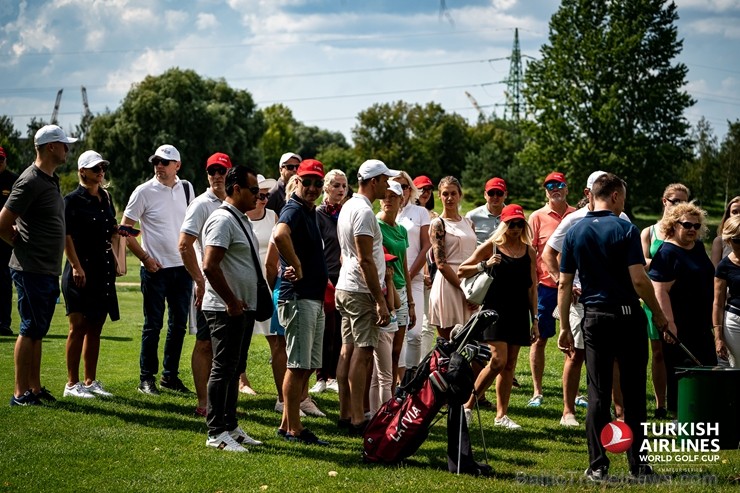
<point>684,348</point>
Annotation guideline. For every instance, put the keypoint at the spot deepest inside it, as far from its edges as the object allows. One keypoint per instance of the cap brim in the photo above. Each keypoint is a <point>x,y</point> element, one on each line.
<point>267,183</point>
<point>95,163</point>
<point>392,173</point>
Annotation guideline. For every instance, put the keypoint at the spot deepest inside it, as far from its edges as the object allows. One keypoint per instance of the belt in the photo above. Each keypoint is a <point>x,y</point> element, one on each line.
<point>614,309</point>
<point>733,309</point>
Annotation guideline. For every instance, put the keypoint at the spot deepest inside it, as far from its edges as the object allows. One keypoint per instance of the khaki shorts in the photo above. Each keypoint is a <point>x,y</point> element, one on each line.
<point>358,318</point>
<point>304,332</point>
<point>575,317</point>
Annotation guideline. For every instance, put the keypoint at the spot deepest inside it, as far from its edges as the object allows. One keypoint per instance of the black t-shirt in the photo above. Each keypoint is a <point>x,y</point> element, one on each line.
<point>7,178</point>
<point>730,272</point>
<point>332,250</point>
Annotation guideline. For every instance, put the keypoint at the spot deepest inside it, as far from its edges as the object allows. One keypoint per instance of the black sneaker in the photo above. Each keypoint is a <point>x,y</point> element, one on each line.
<point>174,384</point>
<point>281,433</point>
<point>44,396</point>
<point>6,331</point>
<point>358,430</point>
<point>597,475</point>
<point>344,423</point>
<point>661,413</point>
<point>148,387</point>
<point>27,399</point>
<point>305,436</point>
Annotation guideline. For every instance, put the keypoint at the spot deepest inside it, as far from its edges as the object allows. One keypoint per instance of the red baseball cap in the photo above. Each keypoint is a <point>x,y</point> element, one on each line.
<point>555,176</point>
<point>2,152</point>
<point>423,181</point>
<point>512,211</point>
<point>310,167</point>
<point>389,257</point>
<point>220,159</point>
<point>496,184</point>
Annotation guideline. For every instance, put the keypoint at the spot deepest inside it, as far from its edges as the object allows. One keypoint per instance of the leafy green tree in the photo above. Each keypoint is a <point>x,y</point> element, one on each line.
<point>279,136</point>
<point>607,94</point>
<point>699,174</point>
<point>382,133</point>
<point>729,159</point>
<point>335,156</point>
<point>199,116</point>
<point>312,140</point>
<point>11,143</point>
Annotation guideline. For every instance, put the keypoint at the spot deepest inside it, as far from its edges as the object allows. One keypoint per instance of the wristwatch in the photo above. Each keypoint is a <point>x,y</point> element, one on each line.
<point>482,266</point>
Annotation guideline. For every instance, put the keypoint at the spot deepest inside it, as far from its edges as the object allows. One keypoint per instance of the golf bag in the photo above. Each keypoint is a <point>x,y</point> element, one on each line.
<point>402,424</point>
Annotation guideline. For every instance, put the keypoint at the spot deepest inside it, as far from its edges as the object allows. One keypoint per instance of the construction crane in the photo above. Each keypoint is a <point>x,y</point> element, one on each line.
<point>84,102</point>
<point>56,107</point>
<point>481,115</point>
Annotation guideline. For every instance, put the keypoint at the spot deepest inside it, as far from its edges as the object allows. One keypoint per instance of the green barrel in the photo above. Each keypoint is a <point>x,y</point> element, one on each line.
<point>709,394</point>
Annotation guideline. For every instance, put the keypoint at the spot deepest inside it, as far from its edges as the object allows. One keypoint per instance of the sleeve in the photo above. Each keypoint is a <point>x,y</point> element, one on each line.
<point>70,216</point>
<point>135,207</point>
<point>217,231</point>
<point>557,238</point>
<point>663,265</point>
<point>405,234</point>
<point>635,256</point>
<point>424,219</point>
<point>567,258</point>
<point>363,222</point>
<point>722,270</point>
<point>21,196</point>
<point>195,218</point>
<point>289,216</point>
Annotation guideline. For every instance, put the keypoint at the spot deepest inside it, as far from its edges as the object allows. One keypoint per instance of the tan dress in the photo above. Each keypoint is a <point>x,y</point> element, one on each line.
<point>447,305</point>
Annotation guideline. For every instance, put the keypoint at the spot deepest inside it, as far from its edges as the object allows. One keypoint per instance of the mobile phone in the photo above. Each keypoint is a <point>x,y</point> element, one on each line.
<point>129,230</point>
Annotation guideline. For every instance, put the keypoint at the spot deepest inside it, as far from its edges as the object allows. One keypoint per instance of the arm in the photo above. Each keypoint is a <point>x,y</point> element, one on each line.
<point>565,298</point>
<point>535,332</point>
<point>284,244</point>
<point>645,242</point>
<point>150,263</point>
<point>662,296</point>
<point>212,269</point>
<point>437,233</point>
<point>718,316</point>
<point>550,259</point>
<point>483,253</point>
<point>364,245</point>
<point>7,225</point>
<point>190,260</point>
<point>420,261</point>
<point>272,264</point>
<point>78,274</point>
<point>717,248</point>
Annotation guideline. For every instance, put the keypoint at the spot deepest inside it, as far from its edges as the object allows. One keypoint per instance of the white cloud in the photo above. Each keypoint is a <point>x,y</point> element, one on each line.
<point>716,27</point>
<point>206,21</point>
<point>708,5</point>
<point>175,20</point>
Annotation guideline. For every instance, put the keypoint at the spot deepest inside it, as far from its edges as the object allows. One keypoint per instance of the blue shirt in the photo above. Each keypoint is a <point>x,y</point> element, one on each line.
<point>602,247</point>
<point>309,248</point>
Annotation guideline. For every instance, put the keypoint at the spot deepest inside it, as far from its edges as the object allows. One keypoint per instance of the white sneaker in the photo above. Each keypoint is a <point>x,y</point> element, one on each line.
<point>318,387</point>
<point>279,406</point>
<point>77,390</point>
<point>224,441</point>
<point>506,422</point>
<point>309,407</point>
<point>97,389</point>
<point>468,415</point>
<point>569,420</point>
<point>242,438</point>
<point>332,385</point>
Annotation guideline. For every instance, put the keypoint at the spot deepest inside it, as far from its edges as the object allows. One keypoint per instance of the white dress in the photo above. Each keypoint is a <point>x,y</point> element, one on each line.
<point>263,231</point>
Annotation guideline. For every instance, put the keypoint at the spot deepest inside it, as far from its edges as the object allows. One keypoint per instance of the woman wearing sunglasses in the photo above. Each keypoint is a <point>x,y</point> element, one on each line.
<point>89,277</point>
<point>726,312</point>
<point>651,239</point>
<point>510,258</point>
<point>683,279</point>
<point>720,248</point>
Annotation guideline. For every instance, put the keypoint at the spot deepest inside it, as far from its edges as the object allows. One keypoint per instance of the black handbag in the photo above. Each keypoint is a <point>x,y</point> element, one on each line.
<point>265,307</point>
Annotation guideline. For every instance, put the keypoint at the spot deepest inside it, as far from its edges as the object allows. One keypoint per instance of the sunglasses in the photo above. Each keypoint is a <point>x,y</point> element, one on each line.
<point>264,196</point>
<point>291,167</point>
<point>516,224</point>
<point>308,182</point>
<point>217,169</point>
<point>495,193</point>
<point>163,162</point>
<point>404,187</point>
<point>427,189</point>
<point>675,201</point>
<point>253,190</point>
<point>689,225</point>
<point>98,168</point>
<point>554,185</point>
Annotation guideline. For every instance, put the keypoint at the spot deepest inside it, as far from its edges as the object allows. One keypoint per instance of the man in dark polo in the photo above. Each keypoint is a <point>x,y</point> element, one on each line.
<point>7,178</point>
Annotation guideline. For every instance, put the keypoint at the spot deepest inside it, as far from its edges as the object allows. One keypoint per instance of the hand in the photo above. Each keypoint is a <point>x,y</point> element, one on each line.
<point>292,274</point>
<point>236,308</point>
<point>78,276</point>
<point>151,264</point>
<point>534,333</point>
<point>671,327</point>
<point>566,343</point>
<point>494,260</point>
<point>427,281</point>
<point>122,232</point>
<point>576,294</point>
<point>384,316</point>
<point>412,315</point>
<point>200,291</point>
<point>720,347</point>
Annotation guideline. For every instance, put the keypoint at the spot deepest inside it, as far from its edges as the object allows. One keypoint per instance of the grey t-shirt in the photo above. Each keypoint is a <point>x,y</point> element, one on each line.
<point>39,244</point>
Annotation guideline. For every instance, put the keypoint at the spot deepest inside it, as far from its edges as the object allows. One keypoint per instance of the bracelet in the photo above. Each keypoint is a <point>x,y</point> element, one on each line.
<point>720,325</point>
<point>146,257</point>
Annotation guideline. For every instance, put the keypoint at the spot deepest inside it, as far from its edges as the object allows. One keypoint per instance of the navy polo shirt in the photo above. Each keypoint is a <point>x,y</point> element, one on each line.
<point>602,247</point>
<point>309,247</point>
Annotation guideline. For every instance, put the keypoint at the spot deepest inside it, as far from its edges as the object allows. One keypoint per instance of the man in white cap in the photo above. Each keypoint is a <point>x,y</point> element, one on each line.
<point>359,295</point>
<point>191,231</point>
<point>32,221</point>
<point>7,178</point>
<point>159,206</point>
<point>289,163</point>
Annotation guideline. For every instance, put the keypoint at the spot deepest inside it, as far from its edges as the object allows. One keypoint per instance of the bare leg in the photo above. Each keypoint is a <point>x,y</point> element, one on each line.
<point>91,348</point>
<point>398,338</point>
<point>359,366</point>
<point>295,381</point>
<point>571,380</point>
<point>345,356</point>
<point>279,358</point>
<point>200,362</point>
<point>73,348</point>
<point>504,381</point>
<point>537,364</point>
<point>486,377</point>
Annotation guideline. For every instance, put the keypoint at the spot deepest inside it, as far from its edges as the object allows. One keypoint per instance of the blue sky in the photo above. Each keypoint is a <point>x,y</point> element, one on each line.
<point>325,59</point>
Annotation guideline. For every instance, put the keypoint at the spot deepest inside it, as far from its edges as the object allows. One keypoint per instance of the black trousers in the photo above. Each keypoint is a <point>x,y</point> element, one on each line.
<point>610,335</point>
<point>230,340</point>
<point>6,287</point>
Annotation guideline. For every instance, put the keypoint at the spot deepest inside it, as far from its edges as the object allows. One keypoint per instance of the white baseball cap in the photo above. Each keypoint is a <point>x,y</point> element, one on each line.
<point>593,177</point>
<point>263,182</point>
<point>90,159</point>
<point>374,167</point>
<point>167,152</point>
<point>288,155</point>
<point>395,187</point>
<point>51,133</point>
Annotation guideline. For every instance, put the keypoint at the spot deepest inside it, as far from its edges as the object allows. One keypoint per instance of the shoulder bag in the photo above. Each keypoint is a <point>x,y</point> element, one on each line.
<point>265,308</point>
<point>476,287</point>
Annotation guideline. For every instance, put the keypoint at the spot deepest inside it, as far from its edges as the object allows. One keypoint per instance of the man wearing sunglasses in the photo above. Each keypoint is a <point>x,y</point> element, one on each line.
<point>543,222</point>
<point>301,296</point>
<point>486,217</point>
<point>191,231</point>
<point>289,163</point>
<point>159,206</point>
<point>32,221</point>
<point>7,178</point>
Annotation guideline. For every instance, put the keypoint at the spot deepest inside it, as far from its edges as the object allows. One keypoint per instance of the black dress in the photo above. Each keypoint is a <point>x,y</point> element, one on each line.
<point>91,222</point>
<point>509,296</point>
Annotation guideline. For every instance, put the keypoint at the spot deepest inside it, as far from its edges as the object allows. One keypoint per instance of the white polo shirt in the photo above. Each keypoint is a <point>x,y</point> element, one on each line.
<point>195,217</point>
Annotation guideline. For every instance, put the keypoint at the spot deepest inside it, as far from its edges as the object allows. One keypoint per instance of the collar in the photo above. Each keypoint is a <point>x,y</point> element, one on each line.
<point>157,184</point>
<point>212,196</point>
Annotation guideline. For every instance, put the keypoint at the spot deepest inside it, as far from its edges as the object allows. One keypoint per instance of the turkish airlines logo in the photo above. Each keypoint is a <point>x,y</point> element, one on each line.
<point>616,437</point>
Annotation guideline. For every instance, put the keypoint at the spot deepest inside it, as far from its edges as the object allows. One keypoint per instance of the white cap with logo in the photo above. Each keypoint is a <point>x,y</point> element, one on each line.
<point>593,177</point>
<point>288,155</point>
<point>374,167</point>
<point>51,133</point>
<point>263,182</point>
<point>167,152</point>
<point>90,159</point>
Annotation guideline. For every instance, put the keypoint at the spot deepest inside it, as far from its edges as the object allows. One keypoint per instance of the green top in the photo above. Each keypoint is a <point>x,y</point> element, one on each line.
<point>396,241</point>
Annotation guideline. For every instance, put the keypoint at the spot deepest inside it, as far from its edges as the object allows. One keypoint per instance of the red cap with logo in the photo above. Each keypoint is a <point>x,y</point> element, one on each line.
<point>2,152</point>
<point>389,257</point>
<point>496,184</point>
<point>220,159</point>
<point>555,176</point>
<point>310,167</point>
<point>512,211</point>
<point>423,181</point>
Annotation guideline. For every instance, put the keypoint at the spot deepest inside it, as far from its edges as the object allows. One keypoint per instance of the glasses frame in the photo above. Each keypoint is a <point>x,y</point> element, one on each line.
<point>551,186</point>
<point>495,193</point>
<point>263,196</point>
<point>96,169</point>
<point>221,170</point>
<point>307,182</point>
<point>516,223</point>
<point>291,167</point>
<point>675,201</point>
<point>696,226</point>
<point>163,162</point>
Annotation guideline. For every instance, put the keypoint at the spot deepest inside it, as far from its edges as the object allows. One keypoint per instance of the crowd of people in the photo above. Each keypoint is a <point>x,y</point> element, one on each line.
<point>358,298</point>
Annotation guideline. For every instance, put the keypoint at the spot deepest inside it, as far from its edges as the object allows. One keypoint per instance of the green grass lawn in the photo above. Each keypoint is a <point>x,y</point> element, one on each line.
<point>139,443</point>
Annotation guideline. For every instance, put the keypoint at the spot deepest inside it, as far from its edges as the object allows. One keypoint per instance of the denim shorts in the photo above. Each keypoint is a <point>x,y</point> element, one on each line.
<point>37,299</point>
